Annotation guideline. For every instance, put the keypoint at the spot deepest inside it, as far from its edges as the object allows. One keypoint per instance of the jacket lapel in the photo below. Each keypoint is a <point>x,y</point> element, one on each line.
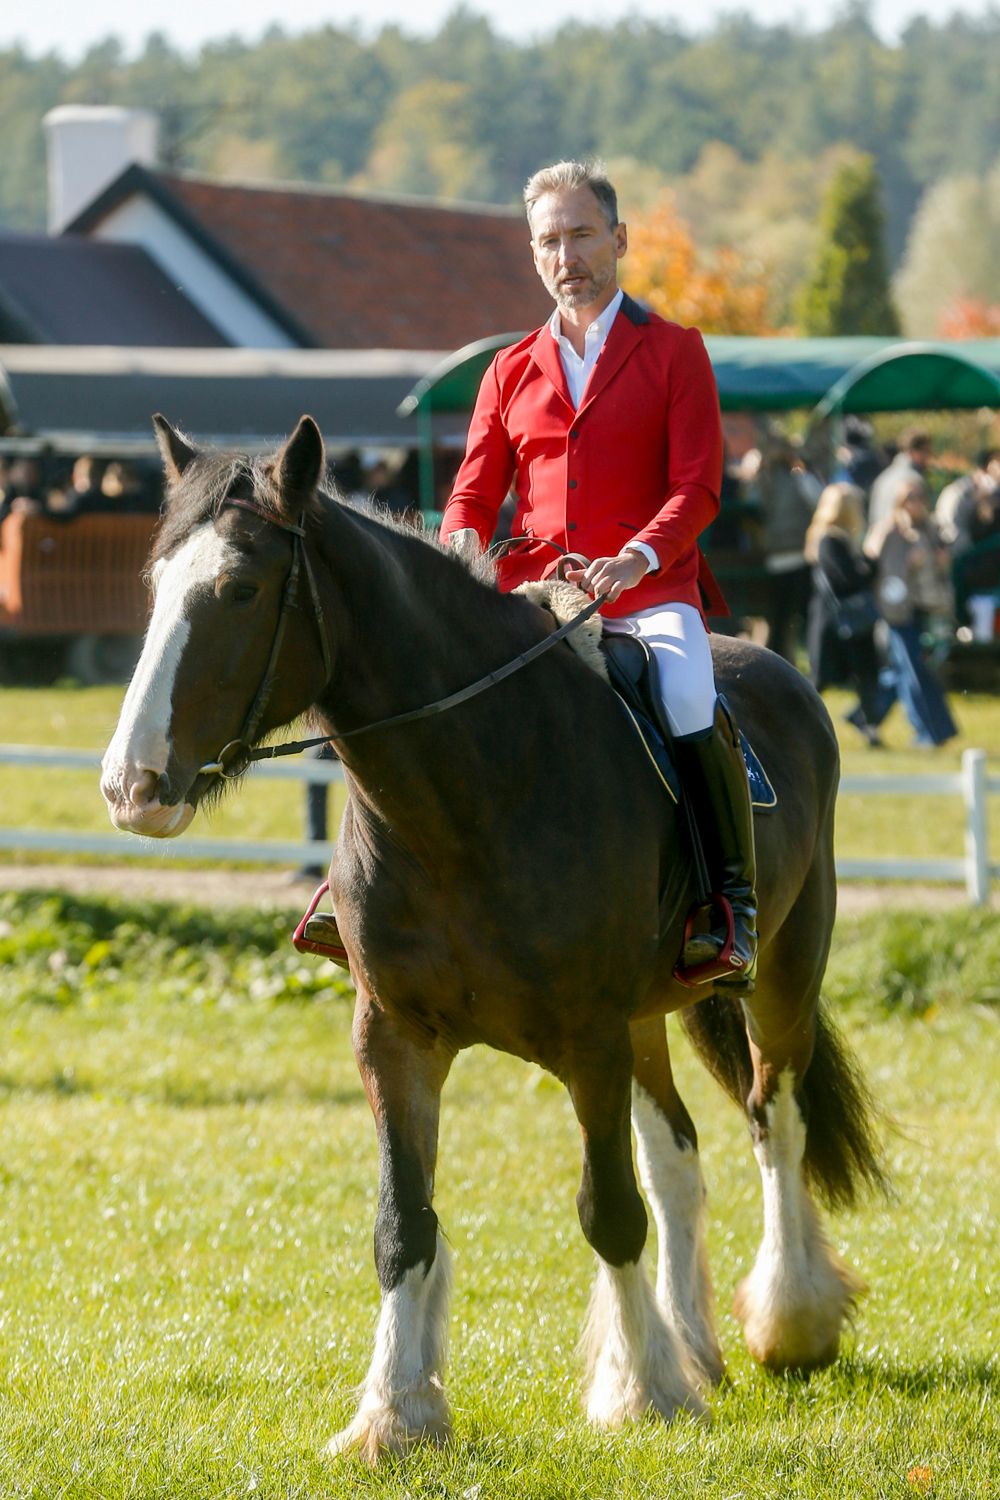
<point>545,353</point>
<point>623,336</point>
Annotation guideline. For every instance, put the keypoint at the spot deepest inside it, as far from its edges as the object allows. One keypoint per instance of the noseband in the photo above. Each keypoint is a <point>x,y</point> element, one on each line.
<point>239,749</point>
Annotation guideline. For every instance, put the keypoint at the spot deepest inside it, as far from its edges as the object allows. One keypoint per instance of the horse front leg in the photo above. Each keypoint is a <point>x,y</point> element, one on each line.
<point>635,1362</point>
<point>671,1176</point>
<point>402,1399</point>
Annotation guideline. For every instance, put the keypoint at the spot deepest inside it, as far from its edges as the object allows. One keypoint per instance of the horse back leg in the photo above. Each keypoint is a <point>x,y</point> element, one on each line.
<point>809,1122</point>
<point>635,1361</point>
<point>402,1399</point>
<point>671,1176</point>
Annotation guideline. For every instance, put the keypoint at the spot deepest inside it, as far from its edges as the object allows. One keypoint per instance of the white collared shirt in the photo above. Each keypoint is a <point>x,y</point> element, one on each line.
<point>578,370</point>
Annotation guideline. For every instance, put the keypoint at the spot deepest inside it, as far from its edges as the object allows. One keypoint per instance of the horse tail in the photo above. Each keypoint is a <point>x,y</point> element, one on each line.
<point>716,1027</point>
<point>842,1152</point>
<point>843,1122</point>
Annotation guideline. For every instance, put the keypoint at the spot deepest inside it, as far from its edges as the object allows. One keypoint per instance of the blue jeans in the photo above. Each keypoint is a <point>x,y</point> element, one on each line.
<point>917,688</point>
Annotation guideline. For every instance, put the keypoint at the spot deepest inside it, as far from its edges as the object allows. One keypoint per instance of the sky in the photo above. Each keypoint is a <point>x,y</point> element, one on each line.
<point>61,26</point>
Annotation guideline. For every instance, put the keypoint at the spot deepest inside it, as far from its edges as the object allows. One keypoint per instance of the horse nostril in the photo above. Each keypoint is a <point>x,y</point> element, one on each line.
<point>166,794</point>
<point>144,788</point>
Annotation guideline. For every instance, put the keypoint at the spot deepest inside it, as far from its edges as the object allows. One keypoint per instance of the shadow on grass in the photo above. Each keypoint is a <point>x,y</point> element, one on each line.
<point>951,1372</point>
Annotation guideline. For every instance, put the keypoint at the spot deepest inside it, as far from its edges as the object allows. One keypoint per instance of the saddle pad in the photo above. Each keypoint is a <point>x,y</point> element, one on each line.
<point>762,793</point>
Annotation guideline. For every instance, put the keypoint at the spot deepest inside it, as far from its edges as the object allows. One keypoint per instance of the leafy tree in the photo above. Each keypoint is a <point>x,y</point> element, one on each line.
<point>952,253</point>
<point>426,143</point>
<point>970,318</point>
<point>663,269</point>
<point>848,292</point>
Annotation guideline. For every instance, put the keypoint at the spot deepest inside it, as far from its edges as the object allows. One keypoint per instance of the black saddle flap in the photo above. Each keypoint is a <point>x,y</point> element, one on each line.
<point>632,672</point>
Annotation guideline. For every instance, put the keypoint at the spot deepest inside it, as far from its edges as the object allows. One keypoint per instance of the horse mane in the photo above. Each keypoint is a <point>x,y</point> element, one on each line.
<point>199,493</point>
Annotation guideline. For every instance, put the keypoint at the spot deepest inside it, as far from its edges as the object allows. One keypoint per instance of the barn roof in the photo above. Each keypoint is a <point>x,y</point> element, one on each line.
<point>71,290</point>
<point>348,270</point>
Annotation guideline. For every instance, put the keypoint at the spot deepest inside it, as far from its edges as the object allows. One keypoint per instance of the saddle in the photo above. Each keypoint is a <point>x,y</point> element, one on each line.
<point>631,672</point>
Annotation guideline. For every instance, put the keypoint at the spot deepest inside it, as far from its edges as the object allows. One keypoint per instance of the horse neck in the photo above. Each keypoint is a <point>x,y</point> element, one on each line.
<point>412,626</point>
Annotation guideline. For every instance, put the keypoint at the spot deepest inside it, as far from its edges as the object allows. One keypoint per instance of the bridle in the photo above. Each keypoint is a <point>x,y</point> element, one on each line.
<point>240,747</point>
<point>239,750</point>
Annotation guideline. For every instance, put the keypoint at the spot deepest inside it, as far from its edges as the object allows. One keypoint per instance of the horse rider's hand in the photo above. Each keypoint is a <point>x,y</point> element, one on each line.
<point>610,576</point>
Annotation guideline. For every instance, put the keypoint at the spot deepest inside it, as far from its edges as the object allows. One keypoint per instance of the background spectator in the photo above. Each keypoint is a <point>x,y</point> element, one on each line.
<point>859,460</point>
<point>841,572</point>
<point>966,509</point>
<point>787,494</point>
<point>911,462</point>
<point>913,588</point>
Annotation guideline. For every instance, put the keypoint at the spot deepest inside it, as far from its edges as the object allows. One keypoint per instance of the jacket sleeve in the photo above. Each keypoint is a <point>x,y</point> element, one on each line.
<point>487,470</point>
<point>694,453</point>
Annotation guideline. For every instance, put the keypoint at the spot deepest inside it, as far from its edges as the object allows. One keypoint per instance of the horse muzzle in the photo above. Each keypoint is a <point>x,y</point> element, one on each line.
<point>135,805</point>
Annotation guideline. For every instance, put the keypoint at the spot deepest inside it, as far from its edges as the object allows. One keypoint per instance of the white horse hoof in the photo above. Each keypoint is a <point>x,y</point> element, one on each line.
<point>379,1432</point>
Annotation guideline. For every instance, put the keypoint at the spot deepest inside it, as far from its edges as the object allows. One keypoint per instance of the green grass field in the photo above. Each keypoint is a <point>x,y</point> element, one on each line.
<point>188,1187</point>
<point>84,718</point>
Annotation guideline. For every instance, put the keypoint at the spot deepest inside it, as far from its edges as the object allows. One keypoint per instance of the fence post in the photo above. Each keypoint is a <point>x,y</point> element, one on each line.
<point>977,847</point>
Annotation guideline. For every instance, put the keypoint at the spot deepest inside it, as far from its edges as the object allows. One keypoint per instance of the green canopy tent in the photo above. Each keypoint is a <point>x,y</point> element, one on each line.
<point>918,377</point>
<point>824,376</point>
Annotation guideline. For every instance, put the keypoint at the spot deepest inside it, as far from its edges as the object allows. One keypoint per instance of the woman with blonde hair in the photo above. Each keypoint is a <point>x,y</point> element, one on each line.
<point>913,587</point>
<point>840,633</point>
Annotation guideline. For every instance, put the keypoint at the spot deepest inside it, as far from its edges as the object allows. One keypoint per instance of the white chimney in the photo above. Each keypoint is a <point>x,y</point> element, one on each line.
<point>89,145</point>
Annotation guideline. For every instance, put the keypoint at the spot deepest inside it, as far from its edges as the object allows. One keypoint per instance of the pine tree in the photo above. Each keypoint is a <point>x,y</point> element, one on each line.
<point>849,289</point>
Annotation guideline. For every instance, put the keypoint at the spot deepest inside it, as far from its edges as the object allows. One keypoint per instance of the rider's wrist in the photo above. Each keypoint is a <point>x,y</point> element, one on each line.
<point>644,550</point>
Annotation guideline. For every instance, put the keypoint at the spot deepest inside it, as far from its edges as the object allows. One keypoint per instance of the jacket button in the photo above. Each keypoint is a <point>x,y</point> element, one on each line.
<point>574,432</point>
<point>570,525</point>
<point>572,484</point>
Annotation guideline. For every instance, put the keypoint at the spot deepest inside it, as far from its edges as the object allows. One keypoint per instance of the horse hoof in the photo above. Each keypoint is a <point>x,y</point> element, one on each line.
<point>380,1434</point>
<point>785,1337</point>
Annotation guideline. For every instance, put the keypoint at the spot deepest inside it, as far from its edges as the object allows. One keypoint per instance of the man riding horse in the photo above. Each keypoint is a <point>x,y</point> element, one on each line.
<point>606,422</point>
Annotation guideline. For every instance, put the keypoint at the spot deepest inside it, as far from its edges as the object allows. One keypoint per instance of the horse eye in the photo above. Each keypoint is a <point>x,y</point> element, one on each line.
<point>244,592</point>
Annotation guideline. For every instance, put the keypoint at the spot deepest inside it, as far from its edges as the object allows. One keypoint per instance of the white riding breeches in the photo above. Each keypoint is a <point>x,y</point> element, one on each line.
<point>678,641</point>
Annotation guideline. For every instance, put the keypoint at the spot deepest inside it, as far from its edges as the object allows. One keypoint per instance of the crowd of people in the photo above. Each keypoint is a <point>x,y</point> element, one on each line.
<point>87,486</point>
<point>868,563</point>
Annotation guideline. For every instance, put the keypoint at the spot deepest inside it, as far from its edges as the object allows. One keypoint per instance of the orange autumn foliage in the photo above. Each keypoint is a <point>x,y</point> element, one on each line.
<point>970,318</point>
<point>716,293</point>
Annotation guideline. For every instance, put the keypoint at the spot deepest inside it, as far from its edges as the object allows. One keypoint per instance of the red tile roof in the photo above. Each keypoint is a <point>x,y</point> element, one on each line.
<point>361,272</point>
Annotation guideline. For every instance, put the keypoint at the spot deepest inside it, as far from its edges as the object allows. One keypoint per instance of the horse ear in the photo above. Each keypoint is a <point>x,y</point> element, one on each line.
<point>299,465</point>
<point>176,453</point>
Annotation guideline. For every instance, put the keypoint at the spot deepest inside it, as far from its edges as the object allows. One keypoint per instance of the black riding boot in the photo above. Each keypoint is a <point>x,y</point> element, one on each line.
<point>716,776</point>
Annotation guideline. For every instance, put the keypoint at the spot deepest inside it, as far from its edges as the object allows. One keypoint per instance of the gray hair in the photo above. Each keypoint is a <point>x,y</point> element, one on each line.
<point>565,176</point>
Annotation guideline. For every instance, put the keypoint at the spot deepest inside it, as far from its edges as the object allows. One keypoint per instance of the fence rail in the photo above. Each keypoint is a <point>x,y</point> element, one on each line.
<point>972,784</point>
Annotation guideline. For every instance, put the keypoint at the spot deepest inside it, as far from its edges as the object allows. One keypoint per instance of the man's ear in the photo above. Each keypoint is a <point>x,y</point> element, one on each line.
<point>621,239</point>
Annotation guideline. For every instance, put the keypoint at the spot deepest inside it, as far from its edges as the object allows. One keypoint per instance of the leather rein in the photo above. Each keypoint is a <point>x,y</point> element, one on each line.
<point>239,750</point>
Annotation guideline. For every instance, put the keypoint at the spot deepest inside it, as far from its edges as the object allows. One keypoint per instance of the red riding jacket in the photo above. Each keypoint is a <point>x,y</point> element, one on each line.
<point>641,459</point>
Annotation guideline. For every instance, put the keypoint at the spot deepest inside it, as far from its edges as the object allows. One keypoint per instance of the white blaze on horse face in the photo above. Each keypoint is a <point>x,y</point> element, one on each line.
<point>140,748</point>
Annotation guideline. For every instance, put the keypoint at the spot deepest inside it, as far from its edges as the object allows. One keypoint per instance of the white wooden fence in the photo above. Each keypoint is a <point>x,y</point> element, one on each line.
<point>972,784</point>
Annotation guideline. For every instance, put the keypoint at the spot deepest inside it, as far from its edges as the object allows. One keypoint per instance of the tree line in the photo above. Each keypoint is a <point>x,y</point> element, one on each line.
<point>745,126</point>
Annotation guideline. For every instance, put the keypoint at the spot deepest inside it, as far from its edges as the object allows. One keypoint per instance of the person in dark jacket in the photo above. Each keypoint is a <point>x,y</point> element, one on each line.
<point>841,572</point>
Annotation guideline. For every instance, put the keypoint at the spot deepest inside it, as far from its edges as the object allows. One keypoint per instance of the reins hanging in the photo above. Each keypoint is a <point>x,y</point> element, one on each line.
<point>239,749</point>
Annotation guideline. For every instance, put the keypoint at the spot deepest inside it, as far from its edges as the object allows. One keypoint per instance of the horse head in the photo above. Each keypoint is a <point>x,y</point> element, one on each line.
<point>225,568</point>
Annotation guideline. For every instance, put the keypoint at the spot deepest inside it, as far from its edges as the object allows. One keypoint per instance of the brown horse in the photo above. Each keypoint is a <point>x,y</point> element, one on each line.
<point>511,872</point>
